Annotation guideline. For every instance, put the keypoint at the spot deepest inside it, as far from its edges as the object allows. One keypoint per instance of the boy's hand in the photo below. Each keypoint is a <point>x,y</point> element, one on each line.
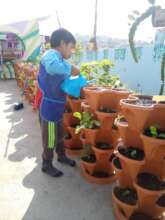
<point>75,70</point>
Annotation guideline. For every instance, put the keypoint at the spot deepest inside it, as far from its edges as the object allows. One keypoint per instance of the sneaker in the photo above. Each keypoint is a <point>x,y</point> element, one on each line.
<point>66,160</point>
<point>48,168</point>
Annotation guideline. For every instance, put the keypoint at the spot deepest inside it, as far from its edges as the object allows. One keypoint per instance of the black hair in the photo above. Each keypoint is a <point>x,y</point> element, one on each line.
<point>61,35</point>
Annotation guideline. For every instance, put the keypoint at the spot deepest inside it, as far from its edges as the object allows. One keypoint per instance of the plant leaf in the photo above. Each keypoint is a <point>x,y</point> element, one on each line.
<point>77,115</point>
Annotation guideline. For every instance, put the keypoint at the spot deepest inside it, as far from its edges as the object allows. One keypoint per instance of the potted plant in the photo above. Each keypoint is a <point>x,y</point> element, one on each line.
<point>125,201</point>
<point>88,125</point>
<point>88,159</point>
<point>154,143</point>
<point>149,189</point>
<point>132,160</point>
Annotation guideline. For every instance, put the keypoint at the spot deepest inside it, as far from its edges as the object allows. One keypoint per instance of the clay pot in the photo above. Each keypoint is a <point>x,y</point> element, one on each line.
<point>123,209</point>
<point>130,166</point>
<point>119,94</point>
<point>94,96</point>
<point>86,107</point>
<point>69,119</point>
<point>147,199</point>
<point>106,119</point>
<point>136,96</point>
<point>75,104</point>
<point>123,179</point>
<point>73,147</point>
<point>72,131</point>
<point>96,180</point>
<point>102,156</point>
<point>88,166</point>
<point>115,137</point>
<point>136,115</point>
<point>129,137</point>
<point>159,210</point>
<point>154,148</point>
<point>157,116</point>
<point>90,135</point>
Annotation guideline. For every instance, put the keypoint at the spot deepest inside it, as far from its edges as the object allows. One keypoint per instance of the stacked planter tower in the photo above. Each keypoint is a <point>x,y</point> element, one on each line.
<point>140,161</point>
<point>103,103</point>
<point>72,142</point>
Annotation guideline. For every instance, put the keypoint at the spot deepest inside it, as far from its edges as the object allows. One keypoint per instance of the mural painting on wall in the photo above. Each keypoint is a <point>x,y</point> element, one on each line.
<point>159,50</point>
<point>119,54</point>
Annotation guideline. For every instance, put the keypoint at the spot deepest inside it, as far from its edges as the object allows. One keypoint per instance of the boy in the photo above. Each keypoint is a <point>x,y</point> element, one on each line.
<point>53,70</point>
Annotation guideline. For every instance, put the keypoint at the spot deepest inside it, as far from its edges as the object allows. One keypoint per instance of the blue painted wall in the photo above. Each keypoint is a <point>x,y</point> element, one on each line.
<point>142,77</point>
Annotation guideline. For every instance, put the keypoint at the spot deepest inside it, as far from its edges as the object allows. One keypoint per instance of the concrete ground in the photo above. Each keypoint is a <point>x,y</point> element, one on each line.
<point>25,192</point>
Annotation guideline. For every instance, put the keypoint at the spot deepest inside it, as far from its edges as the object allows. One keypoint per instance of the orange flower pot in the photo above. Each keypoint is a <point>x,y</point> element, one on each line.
<point>136,115</point>
<point>106,119</point>
<point>89,167</point>
<point>75,104</point>
<point>129,137</point>
<point>130,166</point>
<point>123,209</point>
<point>122,177</point>
<point>90,135</point>
<point>96,180</point>
<point>147,199</point>
<point>154,148</point>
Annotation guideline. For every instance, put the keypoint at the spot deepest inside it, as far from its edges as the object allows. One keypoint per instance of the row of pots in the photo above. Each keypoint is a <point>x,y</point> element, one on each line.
<point>144,175</point>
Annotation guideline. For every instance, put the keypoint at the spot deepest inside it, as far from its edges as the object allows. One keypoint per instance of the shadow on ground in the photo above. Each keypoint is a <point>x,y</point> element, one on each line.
<point>67,198</point>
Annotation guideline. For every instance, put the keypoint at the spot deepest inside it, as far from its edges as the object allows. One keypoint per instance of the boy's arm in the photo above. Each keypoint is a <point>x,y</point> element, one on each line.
<point>75,70</point>
<point>63,67</point>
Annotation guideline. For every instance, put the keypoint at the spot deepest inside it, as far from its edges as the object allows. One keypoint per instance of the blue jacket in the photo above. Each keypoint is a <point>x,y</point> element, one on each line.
<point>53,71</point>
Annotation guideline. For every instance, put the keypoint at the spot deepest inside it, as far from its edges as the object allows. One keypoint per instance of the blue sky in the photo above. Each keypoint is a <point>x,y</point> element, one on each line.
<point>78,15</point>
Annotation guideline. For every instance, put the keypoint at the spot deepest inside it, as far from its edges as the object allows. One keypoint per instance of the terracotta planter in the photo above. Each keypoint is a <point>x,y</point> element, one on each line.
<point>136,115</point>
<point>106,119</point>
<point>69,119</point>
<point>103,156</point>
<point>86,107</point>
<point>90,135</point>
<point>72,132</point>
<point>93,179</point>
<point>75,104</point>
<point>119,94</point>
<point>157,116</point>
<point>147,199</point>
<point>129,137</point>
<point>159,210</point>
<point>123,209</point>
<point>89,167</point>
<point>130,166</point>
<point>123,179</point>
<point>94,96</point>
<point>154,148</point>
<point>136,96</point>
<point>73,147</point>
<point>115,137</point>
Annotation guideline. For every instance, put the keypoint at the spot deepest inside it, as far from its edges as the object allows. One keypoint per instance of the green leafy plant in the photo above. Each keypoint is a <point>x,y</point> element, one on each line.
<point>154,131</point>
<point>86,121</point>
<point>100,71</point>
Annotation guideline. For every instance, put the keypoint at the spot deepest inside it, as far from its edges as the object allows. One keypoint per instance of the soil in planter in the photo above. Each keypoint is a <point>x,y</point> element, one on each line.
<point>103,146</point>
<point>117,163</point>
<point>89,158</point>
<point>141,216</point>
<point>126,195</point>
<point>141,102</point>
<point>161,102</point>
<point>150,182</point>
<point>132,153</point>
<point>68,110</point>
<point>106,110</point>
<point>161,201</point>
<point>101,174</point>
<point>67,136</point>
<point>160,134</point>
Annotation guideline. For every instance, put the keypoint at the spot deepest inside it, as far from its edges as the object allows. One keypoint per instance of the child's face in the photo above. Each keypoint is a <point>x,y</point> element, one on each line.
<point>67,49</point>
